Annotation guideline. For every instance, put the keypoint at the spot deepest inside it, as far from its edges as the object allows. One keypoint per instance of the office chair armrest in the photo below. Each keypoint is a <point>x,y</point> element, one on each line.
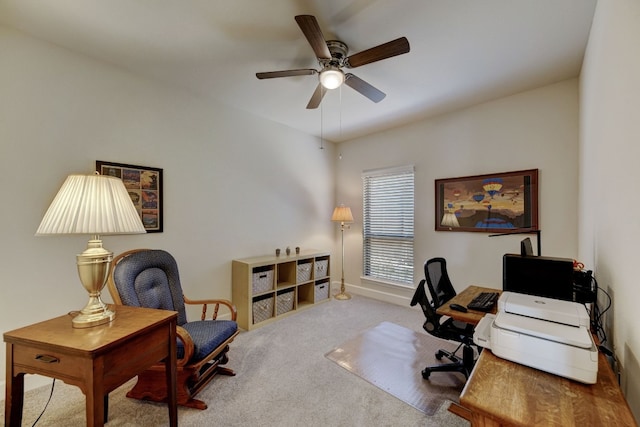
<point>187,342</point>
<point>216,307</point>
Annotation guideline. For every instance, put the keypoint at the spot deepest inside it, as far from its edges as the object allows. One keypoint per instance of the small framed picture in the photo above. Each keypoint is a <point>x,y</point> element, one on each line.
<point>144,185</point>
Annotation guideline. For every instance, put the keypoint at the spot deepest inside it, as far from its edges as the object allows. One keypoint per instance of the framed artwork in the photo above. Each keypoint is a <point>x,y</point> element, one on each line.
<point>144,185</point>
<point>497,202</point>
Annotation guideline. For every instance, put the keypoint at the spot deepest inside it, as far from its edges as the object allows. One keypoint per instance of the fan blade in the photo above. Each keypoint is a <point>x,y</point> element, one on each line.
<point>316,98</point>
<point>286,73</point>
<point>383,51</point>
<point>311,30</point>
<point>363,87</point>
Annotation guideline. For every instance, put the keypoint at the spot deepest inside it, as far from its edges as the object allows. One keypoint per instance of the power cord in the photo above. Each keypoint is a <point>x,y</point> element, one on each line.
<point>598,316</point>
<point>597,324</point>
<point>47,404</point>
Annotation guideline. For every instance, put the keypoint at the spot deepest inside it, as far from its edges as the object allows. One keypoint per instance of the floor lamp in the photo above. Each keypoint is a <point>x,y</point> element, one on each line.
<point>342,214</point>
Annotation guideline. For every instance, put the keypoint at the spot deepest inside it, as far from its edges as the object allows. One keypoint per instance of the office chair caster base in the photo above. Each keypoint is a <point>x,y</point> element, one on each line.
<point>426,373</point>
<point>449,355</point>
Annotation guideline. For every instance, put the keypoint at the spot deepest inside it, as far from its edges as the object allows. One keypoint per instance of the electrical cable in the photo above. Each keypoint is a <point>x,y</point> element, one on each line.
<point>598,314</point>
<point>47,404</point>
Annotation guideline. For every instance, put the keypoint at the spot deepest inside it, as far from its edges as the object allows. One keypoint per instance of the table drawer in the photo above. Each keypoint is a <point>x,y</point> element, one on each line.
<point>34,360</point>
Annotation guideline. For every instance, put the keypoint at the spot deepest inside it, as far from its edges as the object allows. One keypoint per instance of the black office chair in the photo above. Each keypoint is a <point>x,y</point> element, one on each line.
<point>450,329</point>
<point>440,287</point>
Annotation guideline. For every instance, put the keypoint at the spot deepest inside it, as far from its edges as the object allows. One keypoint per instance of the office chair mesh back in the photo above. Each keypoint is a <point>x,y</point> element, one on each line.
<point>440,287</point>
<point>450,329</point>
<point>432,321</point>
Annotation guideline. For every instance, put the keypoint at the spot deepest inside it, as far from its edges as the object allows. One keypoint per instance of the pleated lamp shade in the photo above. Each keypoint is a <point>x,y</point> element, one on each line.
<point>91,204</point>
<point>342,214</point>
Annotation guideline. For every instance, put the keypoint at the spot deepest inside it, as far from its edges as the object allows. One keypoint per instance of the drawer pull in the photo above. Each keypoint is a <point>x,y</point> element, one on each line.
<point>47,359</point>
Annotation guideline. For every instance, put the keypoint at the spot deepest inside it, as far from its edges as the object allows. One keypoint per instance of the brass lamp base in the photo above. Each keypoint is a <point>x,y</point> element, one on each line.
<point>93,268</point>
<point>89,320</point>
<point>342,296</point>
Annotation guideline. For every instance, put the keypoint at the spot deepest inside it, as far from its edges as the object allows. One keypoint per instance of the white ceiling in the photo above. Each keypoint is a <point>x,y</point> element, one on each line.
<point>462,51</point>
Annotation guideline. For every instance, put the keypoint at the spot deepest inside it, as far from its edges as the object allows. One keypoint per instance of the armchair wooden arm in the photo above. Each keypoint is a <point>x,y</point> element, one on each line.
<point>188,344</point>
<point>216,303</point>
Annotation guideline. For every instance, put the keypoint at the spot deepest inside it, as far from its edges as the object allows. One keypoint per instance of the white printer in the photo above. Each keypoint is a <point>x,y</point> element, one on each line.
<point>543,333</point>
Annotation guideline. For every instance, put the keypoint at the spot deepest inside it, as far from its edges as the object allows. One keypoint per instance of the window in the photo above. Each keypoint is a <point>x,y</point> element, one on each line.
<point>388,204</point>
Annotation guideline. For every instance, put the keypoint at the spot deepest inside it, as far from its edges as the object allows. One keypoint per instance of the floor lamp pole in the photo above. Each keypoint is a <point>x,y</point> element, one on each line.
<point>343,295</point>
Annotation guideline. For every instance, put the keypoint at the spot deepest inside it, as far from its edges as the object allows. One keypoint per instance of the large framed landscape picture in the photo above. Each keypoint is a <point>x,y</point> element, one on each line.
<point>498,202</point>
<point>144,185</point>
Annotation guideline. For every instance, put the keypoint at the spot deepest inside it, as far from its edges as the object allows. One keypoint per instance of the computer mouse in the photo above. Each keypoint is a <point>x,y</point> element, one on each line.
<point>458,307</point>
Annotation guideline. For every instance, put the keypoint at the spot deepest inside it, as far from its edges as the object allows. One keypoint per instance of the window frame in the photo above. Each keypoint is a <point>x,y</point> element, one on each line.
<point>396,227</point>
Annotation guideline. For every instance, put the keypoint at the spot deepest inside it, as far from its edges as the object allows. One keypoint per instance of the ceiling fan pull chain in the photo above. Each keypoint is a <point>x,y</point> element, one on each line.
<point>321,125</point>
<point>340,127</point>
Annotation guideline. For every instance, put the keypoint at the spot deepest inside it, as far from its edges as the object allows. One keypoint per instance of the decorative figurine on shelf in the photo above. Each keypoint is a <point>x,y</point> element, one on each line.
<point>297,250</point>
<point>288,251</point>
<point>278,252</point>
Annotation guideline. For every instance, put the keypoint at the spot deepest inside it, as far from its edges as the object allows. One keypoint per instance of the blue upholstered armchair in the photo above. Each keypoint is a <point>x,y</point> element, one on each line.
<point>149,278</point>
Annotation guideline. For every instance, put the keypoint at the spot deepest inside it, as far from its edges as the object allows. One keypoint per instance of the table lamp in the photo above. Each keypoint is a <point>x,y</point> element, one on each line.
<point>93,205</point>
<point>342,214</point>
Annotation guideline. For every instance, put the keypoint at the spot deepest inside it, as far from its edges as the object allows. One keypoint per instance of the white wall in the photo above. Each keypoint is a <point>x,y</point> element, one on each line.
<point>535,129</point>
<point>609,176</point>
<point>235,185</point>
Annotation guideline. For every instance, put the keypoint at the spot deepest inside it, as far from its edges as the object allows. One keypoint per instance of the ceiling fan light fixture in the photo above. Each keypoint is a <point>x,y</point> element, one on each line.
<point>331,77</point>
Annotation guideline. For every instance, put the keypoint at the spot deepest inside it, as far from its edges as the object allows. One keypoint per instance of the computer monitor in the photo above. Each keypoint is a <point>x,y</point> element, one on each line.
<point>536,275</point>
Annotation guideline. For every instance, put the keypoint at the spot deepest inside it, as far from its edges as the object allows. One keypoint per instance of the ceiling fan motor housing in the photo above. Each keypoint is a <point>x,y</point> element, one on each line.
<point>338,51</point>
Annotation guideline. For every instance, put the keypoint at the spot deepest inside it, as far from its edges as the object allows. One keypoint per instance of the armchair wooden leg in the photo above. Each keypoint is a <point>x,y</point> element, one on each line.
<point>226,371</point>
<point>148,388</point>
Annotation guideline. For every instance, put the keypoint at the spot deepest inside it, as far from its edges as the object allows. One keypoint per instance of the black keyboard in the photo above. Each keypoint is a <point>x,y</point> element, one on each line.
<point>484,301</point>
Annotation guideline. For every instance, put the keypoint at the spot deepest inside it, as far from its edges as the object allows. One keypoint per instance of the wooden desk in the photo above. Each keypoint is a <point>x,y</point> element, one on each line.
<point>464,298</point>
<point>98,359</point>
<point>504,393</point>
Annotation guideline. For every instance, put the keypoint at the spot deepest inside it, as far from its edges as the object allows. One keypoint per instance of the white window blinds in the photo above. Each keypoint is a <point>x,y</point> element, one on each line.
<point>388,205</point>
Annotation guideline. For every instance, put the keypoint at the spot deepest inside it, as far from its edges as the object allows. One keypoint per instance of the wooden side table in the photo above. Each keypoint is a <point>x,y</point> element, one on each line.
<point>97,360</point>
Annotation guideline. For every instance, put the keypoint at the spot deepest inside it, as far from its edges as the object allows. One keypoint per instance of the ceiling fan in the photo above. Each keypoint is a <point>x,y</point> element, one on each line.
<point>332,57</point>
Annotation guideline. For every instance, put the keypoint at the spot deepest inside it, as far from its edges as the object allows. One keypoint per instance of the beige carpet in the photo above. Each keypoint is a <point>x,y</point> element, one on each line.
<point>391,357</point>
<point>283,380</point>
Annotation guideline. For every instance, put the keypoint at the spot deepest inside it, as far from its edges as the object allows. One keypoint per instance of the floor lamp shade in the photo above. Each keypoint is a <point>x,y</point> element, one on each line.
<point>342,214</point>
<point>94,205</point>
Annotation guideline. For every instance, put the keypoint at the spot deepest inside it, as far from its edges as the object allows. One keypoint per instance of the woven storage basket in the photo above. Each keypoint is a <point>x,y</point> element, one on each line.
<point>262,310</point>
<point>321,268</point>
<point>304,272</point>
<point>262,281</point>
<point>284,302</point>
<point>321,291</point>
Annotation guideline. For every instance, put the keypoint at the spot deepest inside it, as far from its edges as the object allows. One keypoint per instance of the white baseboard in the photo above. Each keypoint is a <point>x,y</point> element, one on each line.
<point>30,382</point>
<point>381,295</point>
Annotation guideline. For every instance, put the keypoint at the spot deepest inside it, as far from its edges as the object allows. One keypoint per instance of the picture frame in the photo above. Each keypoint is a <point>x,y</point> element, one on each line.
<point>493,203</point>
<point>144,185</point>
